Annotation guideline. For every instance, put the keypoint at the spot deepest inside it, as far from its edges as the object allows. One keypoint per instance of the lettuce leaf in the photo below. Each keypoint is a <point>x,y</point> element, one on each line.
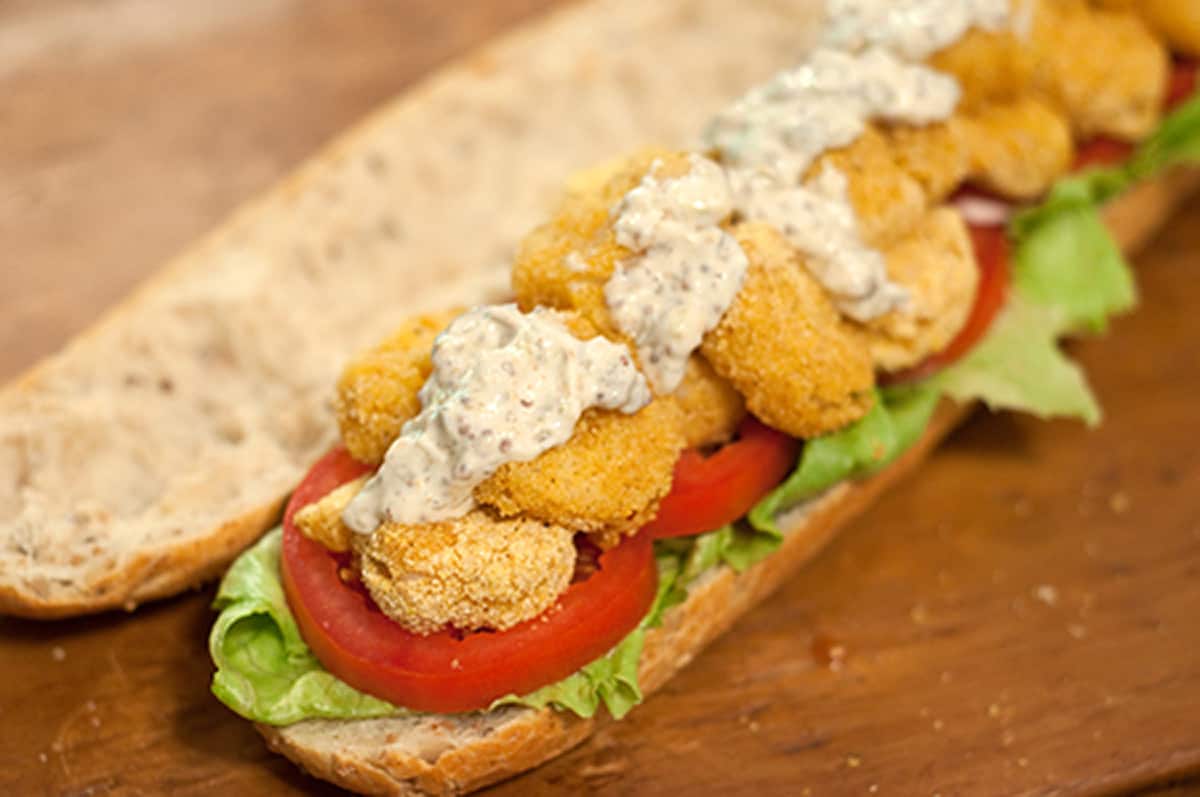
<point>1067,259</point>
<point>265,671</point>
<point>895,422</point>
<point>611,679</point>
<point>1176,142</point>
<point>1019,366</point>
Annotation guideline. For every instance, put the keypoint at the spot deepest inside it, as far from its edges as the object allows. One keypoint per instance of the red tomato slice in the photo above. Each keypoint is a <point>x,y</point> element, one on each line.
<point>1102,152</point>
<point>992,254</point>
<point>1105,151</point>
<point>451,671</point>
<point>709,492</point>
<point>1183,82</point>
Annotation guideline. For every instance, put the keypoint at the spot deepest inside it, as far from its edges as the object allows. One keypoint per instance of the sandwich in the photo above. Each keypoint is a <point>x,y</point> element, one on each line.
<point>989,219</point>
<point>543,507</point>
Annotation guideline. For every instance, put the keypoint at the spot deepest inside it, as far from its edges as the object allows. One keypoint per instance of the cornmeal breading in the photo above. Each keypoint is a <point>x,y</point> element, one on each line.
<point>1177,21</point>
<point>937,156</point>
<point>1019,149</point>
<point>937,265</point>
<point>476,571</point>
<point>566,262</point>
<point>888,200</point>
<point>321,521</point>
<point>1075,50</point>
<point>784,346</point>
<point>712,407</point>
<point>990,67</point>
<point>377,391</point>
<point>606,480</point>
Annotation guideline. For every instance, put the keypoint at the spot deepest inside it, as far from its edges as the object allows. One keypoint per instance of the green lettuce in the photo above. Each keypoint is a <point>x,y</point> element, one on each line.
<point>265,671</point>
<point>1019,366</point>
<point>897,419</point>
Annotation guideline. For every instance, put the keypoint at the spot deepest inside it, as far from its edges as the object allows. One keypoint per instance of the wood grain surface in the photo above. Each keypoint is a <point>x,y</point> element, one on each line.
<point>1023,617</point>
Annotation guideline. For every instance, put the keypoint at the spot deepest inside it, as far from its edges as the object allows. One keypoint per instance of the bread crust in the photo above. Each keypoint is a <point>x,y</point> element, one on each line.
<point>524,738</point>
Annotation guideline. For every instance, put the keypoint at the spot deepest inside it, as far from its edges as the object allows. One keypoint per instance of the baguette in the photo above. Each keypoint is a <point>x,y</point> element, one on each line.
<point>452,754</point>
<point>156,446</point>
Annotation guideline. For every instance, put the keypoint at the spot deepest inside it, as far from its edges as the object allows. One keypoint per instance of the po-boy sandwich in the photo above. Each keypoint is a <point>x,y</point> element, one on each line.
<point>711,358</point>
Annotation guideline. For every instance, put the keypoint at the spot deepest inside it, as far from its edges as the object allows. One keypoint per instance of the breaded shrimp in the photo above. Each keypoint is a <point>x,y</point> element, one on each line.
<point>937,266</point>
<point>784,346</point>
<point>1018,149</point>
<point>990,67</point>
<point>1105,69</point>
<point>473,572</point>
<point>321,521</point>
<point>1177,21</point>
<point>566,262</point>
<point>712,407</point>
<point>377,391</point>
<point>937,156</point>
<point>606,480</point>
<point>889,201</point>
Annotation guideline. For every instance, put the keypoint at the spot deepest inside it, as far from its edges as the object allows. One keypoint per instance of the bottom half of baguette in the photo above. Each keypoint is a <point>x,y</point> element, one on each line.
<point>440,754</point>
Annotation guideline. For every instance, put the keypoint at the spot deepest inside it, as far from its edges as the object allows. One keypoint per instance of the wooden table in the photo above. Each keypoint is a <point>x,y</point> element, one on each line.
<point>1023,617</point>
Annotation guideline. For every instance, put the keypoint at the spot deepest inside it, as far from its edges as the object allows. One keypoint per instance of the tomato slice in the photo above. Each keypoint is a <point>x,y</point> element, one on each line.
<point>452,671</point>
<point>1102,151</point>
<point>992,254</point>
<point>1183,82</point>
<point>710,491</point>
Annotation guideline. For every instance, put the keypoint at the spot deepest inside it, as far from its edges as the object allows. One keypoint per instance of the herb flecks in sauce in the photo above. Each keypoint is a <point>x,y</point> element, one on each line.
<point>914,29</point>
<point>505,387</point>
<point>686,272</point>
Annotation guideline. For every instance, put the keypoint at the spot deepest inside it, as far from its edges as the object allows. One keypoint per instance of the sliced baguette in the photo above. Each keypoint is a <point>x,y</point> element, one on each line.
<point>455,754</point>
<point>143,457</point>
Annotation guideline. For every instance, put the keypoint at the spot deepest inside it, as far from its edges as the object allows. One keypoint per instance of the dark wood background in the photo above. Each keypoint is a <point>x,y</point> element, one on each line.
<point>1023,617</point>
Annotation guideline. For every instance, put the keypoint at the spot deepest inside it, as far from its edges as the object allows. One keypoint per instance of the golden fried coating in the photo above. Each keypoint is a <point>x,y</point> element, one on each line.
<point>937,265</point>
<point>1177,21</point>
<point>606,480</point>
<point>566,262</point>
<point>990,67</point>
<point>321,521</point>
<point>1105,69</point>
<point>472,572</point>
<point>712,407</point>
<point>784,346</point>
<point>1019,149</point>
<point>937,156</point>
<point>889,201</point>
<point>377,391</point>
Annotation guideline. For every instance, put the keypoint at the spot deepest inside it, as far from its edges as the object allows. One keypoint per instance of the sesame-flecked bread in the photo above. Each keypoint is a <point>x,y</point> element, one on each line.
<point>143,457</point>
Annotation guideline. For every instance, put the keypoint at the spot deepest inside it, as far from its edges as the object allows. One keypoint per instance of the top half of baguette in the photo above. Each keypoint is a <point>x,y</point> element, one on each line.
<point>154,447</point>
<point>435,754</point>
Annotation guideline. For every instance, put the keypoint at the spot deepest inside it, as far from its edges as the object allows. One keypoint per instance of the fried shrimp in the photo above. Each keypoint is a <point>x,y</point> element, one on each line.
<point>785,347</point>
<point>1178,21</point>
<point>937,156</point>
<point>1072,47</point>
<point>712,407</point>
<point>473,572</point>
<point>1018,149</point>
<point>566,262</point>
<point>989,66</point>
<point>377,391</point>
<point>606,480</point>
<point>937,266</point>
<point>321,521</point>
<point>888,200</point>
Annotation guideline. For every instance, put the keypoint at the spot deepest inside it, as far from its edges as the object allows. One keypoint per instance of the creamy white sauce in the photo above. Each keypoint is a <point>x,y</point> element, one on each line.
<point>505,387</point>
<point>914,29</point>
<point>818,219</point>
<point>686,272</point>
<point>771,137</point>
<point>825,103</point>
